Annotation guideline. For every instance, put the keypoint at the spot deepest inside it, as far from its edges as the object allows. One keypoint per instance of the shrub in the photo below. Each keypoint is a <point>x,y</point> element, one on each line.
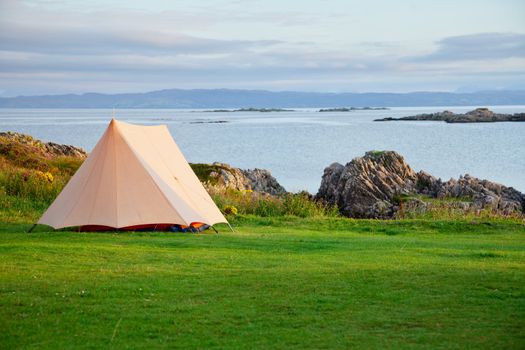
<point>302,204</point>
<point>268,207</point>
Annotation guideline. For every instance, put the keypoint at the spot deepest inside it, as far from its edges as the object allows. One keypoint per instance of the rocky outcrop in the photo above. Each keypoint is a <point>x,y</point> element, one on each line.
<point>479,115</point>
<point>49,149</point>
<point>366,186</point>
<point>376,185</point>
<point>262,181</point>
<point>226,176</point>
<point>484,194</point>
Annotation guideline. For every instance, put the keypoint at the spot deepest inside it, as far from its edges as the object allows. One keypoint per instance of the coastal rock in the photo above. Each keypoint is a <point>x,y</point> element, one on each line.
<point>330,188</point>
<point>261,180</point>
<point>484,194</point>
<point>427,184</point>
<point>49,149</point>
<point>366,187</point>
<point>479,115</point>
<point>65,150</point>
<point>225,176</point>
<point>380,184</point>
<point>231,177</point>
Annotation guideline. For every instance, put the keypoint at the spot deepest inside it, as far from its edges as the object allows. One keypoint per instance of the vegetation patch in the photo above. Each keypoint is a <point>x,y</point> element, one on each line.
<point>203,172</point>
<point>376,154</point>
<point>248,202</point>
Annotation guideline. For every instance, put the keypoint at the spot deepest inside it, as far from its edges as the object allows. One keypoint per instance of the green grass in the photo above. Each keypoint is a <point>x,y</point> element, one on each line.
<point>20,210</point>
<point>276,283</point>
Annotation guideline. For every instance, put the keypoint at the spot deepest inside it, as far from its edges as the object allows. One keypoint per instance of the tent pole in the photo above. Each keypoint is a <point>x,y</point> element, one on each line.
<point>231,228</point>
<point>214,229</point>
<point>32,228</point>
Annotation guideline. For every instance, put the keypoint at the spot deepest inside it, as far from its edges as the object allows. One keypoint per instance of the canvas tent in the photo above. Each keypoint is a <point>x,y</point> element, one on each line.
<point>135,176</point>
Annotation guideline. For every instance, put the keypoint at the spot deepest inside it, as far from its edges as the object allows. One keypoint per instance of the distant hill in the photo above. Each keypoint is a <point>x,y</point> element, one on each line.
<point>225,98</point>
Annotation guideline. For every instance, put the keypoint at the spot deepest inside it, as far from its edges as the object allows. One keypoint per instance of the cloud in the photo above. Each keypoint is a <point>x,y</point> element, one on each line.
<point>102,39</point>
<point>38,29</point>
<point>57,50</point>
<point>477,47</point>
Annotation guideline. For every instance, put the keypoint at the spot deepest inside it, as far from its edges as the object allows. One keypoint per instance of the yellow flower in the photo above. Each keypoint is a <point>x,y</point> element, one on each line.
<point>47,176</point>
<point>230,210</point>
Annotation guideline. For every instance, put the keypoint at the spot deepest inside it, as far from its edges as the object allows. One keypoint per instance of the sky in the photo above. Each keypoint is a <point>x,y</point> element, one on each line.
<point>116,46</point>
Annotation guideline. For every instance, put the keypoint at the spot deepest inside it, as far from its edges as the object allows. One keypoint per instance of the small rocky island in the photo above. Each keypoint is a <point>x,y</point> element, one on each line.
<point>251,109</point>
<point>204,121</point>
<point>479,115</point>
<point>351,109</point>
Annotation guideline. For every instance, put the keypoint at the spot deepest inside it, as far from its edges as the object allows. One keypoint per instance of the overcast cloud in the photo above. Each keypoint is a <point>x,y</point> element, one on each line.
<point>61,47</point>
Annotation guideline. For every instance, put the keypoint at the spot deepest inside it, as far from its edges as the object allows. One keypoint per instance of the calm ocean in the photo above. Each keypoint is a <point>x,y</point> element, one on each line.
<point>297,146</point>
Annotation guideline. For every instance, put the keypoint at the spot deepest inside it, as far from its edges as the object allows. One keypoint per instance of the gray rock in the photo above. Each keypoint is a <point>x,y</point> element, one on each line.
<point>484,194</point>
<point>371,187</point>
<point>47,148</point>
<point>329,190</point>
<point>366,187</point>
<point>427,184</point>
<point>226,176</point>
<point>261,180</point>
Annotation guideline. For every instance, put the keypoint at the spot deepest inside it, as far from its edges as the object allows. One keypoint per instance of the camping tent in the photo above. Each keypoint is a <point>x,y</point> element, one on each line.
<point>136,176</point>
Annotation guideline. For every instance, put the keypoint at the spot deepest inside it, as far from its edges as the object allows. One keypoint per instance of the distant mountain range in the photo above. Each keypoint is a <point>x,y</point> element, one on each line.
<point>226,98</point>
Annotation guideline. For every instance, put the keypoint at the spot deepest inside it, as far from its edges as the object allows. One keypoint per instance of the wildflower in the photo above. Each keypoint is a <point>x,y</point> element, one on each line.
<point>230,210</point>
<point>47,176</point>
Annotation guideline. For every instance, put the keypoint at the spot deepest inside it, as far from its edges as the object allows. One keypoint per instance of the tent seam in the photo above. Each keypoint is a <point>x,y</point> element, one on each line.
<point>144,164</point>
<point>188,195</point>
<point>115,162</point>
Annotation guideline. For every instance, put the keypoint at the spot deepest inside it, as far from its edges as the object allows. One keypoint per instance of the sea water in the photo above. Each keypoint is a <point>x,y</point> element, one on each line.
<point>296,146</point>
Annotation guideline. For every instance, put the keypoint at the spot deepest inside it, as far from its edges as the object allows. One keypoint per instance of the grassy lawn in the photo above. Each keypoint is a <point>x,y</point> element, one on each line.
<point>274,283</point>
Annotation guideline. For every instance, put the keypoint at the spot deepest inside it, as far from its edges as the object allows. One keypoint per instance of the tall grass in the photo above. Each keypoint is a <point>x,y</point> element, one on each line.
<point>31,184</point>
<point>29,173</point>
<point>41,181</point>
<point>253,203</point>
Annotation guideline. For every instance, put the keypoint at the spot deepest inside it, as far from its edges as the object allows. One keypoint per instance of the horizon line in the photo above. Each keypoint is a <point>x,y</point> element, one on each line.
<point>264,90</point>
